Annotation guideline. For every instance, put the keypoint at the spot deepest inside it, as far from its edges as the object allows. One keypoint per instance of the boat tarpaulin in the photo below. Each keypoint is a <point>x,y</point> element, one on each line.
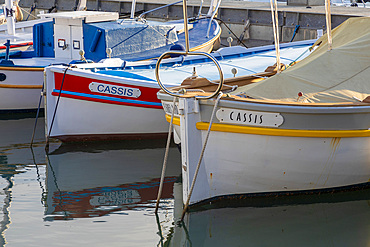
<point>341,74</point>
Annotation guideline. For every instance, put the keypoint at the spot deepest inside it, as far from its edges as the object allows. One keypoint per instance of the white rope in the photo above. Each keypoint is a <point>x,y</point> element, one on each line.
<point>328,23</point>
<point>28,12</point>
<point>166,155</point>
<point>275,26</point>
<point>201,156</point>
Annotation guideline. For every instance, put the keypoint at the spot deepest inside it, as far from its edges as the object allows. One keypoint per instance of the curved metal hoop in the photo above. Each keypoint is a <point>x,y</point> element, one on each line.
<point>190,53</point>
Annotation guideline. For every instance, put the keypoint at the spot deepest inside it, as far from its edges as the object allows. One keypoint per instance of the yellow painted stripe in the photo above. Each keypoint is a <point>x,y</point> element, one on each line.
<point>176,120</point>
<point>283,132</point>
<point>22,68</point>
<point>207,43</point>
<point>276,132</point>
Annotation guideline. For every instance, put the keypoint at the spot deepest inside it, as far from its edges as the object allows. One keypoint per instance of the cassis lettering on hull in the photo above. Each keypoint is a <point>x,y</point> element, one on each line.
<point>254,118</point>
<point>98,87</point>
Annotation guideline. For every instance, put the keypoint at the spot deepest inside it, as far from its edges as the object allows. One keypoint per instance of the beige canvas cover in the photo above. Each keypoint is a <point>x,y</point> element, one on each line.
<point>326,76</point>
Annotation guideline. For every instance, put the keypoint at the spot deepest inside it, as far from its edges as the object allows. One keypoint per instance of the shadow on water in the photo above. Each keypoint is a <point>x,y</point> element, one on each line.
<point>101,146</point>
<point>20,114</point>
<point>332,219</point>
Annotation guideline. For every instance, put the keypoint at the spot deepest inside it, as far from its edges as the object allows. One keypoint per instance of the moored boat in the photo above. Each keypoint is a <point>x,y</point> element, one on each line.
<point>304,130</point>
<point>89,36</point>
<point>115,100</point>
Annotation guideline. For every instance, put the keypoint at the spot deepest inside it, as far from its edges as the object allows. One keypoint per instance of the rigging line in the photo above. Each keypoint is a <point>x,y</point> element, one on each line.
<point>33,7</point>
<point>190,73</point>
<point>295,60</point>
<point>129,37</point>
<point>148,25</point>
<point>161,34</point>
<point>240,41</point>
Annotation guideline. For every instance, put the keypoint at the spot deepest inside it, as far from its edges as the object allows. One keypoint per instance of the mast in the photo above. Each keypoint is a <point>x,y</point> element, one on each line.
<point>9,16</point>
<point>133,5</point>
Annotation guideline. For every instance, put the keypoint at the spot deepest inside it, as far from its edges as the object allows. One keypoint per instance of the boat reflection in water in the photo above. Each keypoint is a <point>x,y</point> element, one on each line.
<point>339,219</point>
<point>97,179</point>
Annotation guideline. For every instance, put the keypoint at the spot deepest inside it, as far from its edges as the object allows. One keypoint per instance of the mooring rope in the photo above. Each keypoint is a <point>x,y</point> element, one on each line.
<point>201,156</point>
<point>166,155</point>
<point>328,23</point>
<point>275,27</point>
<point>37,113</point>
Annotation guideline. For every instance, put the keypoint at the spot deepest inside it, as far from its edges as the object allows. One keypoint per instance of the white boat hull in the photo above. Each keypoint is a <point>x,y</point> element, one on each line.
<point>93,120</point>
<point>243,160</point>
<point>292,163</point>
<point>21,89</point>
<point>89,107</point>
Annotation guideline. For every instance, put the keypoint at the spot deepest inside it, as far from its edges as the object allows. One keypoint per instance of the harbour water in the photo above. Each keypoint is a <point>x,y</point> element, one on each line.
<point>103,194</point>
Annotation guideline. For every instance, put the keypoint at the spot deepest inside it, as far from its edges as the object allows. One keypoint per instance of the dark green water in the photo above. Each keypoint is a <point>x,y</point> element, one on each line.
<point>103,194</point>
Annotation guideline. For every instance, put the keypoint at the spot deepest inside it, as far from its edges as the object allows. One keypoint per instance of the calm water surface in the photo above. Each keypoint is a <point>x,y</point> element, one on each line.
<point>103,194</point>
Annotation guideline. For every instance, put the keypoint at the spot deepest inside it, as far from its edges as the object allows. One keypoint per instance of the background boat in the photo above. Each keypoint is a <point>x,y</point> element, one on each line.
<point>93,33</point>
<point>127,96</point>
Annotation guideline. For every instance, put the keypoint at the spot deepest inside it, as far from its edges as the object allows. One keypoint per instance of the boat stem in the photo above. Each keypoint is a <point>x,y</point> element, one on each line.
<point>201,156</point>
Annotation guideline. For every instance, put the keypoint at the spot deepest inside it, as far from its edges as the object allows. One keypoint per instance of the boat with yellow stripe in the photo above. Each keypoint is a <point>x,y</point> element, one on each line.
<point>305,129</point>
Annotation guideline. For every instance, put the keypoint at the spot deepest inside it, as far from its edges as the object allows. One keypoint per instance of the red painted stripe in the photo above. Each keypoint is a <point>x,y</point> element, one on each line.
<point>81,85</point>
<point>17,45</point>
<point>105,101</point>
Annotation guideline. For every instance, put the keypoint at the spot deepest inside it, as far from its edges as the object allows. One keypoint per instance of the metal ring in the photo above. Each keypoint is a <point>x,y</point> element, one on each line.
<point>189,53</point>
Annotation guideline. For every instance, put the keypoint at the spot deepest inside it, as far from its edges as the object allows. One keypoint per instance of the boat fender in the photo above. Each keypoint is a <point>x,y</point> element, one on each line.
<point>177,47</point>
<point>95,40</point>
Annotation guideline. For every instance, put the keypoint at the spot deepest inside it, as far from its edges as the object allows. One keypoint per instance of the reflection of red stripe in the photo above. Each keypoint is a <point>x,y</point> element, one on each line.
<point>106,101</point>
<point>78,205</point>
<point>17,45</point>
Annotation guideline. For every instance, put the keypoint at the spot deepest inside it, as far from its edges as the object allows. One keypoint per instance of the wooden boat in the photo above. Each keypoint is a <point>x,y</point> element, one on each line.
<point>304,130</point>
<point>81,99</point>
<point>89,36</point>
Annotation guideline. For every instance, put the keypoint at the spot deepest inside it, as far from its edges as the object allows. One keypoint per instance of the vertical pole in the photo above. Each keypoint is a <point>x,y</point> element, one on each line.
<point>328,23</point>
<point>133,5</point>
<point>275,26</point>
<point>9,14</point>
<point>185,11</point>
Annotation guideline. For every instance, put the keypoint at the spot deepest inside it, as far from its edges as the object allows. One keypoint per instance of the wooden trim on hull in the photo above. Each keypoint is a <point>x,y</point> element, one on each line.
<point>20,86</point>
<point>109,137</point>
<point>22,68</point>
<point>269,199</point>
